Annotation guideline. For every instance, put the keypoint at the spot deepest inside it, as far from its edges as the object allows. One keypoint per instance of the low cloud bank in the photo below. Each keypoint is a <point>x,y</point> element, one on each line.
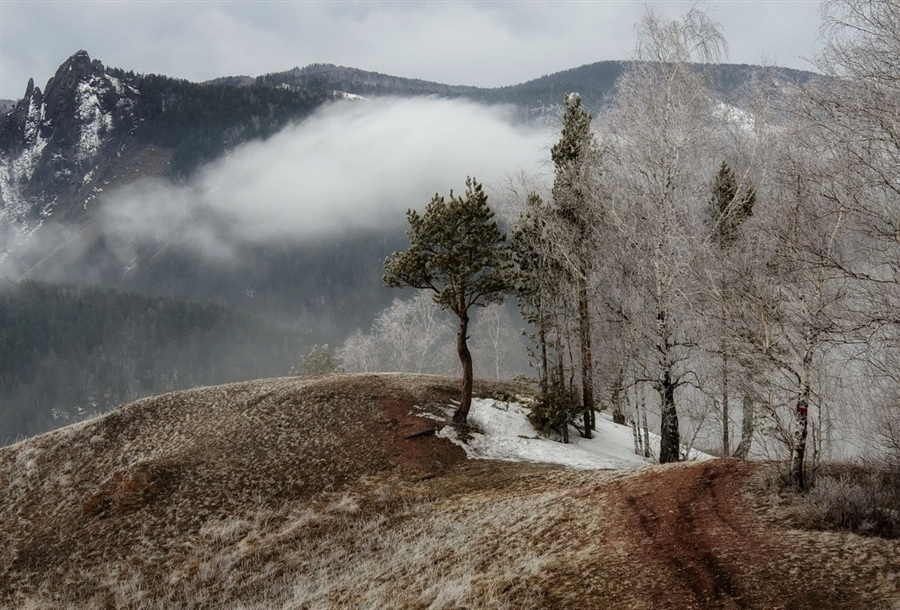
<point>354,164</point>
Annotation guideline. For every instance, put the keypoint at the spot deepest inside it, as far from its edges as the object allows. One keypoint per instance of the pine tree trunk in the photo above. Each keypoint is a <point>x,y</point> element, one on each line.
<point>587,368</point>
<point>743,449</point>
<point>465,359</point>
<point>670,439</point>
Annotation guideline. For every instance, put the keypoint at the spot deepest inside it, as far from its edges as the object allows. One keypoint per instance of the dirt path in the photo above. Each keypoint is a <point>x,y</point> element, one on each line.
<point>693,528</point>
<point>706,546</point>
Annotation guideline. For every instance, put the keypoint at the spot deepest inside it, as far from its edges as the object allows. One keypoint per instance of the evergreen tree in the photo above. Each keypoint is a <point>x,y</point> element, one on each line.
<point>319,361</point>
<point>458,252</point>
<point>539,289</point>
<point>574,157</point>
<point>729,207</point>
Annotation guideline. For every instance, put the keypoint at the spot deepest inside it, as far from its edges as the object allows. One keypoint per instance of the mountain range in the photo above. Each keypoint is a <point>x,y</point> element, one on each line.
<point>93,129</point>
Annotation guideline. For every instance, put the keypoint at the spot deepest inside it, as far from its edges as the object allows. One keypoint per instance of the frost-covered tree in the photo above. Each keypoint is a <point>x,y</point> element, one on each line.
<point>319,361</point>
<point>497,341</point>
<point>409,335</point>
<point>855,111</point>
<point>544,293</point>
<point>660,130</point>
<point>802,313</point>
<point>458,252</point>
<point>360,353</point>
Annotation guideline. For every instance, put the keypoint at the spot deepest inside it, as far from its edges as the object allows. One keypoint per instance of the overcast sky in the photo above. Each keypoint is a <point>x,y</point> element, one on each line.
<point>468,43</point>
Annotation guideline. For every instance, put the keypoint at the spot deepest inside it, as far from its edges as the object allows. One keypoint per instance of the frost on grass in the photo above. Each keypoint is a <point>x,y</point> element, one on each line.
<point>316,493</point>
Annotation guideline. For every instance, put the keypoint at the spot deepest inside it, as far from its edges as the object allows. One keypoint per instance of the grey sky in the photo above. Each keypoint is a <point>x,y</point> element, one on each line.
<point>474,43</point>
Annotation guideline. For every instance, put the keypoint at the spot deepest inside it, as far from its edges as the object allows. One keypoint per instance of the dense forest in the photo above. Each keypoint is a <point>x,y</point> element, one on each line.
<point>201,121</point>
<point>69,352</point>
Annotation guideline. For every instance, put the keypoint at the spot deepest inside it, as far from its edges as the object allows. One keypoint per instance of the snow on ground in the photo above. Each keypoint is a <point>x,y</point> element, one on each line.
<point>508,435</point>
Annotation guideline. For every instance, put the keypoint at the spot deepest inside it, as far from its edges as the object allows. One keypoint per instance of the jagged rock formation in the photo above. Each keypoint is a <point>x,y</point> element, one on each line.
<point>55,144</point>
<point>92,129</point>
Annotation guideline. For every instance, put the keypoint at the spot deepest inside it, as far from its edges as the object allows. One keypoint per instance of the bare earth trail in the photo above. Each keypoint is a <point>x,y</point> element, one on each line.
<point>696,528</point>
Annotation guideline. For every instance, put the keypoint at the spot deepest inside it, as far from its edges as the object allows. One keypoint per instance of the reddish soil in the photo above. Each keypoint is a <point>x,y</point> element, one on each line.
<point>695,529</point>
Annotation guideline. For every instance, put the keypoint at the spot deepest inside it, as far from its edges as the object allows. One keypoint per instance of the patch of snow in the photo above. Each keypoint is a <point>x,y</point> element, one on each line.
<point>95,121</point>
<point>508,435</point>
<point>736,116</point>
<point>14,173</point>
<point>117,84</point>
<point>16,209</point>
<point>348,96</point>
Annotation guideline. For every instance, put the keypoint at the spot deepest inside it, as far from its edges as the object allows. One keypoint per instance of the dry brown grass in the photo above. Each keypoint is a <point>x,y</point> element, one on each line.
<point>332,493</point>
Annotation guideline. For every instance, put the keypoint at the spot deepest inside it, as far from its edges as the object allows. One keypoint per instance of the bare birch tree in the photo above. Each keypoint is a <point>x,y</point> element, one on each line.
<point>804,302</point>
<point>661,127</point>
<point>857,111</point>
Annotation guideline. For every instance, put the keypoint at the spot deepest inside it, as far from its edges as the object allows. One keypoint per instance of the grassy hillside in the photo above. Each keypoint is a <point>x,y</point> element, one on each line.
<point>335,493</point>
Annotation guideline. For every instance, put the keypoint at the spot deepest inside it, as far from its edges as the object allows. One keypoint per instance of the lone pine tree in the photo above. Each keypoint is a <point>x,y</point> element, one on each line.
<point>458,252</point>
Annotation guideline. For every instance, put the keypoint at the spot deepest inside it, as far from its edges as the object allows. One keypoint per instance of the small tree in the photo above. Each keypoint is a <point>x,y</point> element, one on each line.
<point>729,206</point>
<point>457,251</point>
<point>319,361</point>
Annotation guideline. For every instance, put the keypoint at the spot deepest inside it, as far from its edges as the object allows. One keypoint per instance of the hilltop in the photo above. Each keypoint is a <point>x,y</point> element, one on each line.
<point>342,492</point>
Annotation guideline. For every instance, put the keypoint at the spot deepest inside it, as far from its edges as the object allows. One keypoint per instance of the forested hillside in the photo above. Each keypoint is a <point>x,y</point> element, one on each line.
<point>69,352</point>
<point>201,121</point>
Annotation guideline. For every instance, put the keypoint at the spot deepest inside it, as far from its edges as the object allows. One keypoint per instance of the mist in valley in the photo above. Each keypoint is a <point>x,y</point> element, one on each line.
<point>292,231</point>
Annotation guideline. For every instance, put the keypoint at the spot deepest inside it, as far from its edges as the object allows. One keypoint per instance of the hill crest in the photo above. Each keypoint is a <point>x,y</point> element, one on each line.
<point>333,492</point>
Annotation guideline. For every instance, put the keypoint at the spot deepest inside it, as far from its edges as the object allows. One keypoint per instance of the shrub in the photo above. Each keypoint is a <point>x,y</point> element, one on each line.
<point>319,361</point>
<point>865,500</point>
<point>554,409</point>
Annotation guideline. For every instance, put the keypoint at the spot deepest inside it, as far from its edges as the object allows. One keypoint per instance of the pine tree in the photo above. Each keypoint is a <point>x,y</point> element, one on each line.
<point>729,207</point>
<point>458,252</point>
<point>573,158</point>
